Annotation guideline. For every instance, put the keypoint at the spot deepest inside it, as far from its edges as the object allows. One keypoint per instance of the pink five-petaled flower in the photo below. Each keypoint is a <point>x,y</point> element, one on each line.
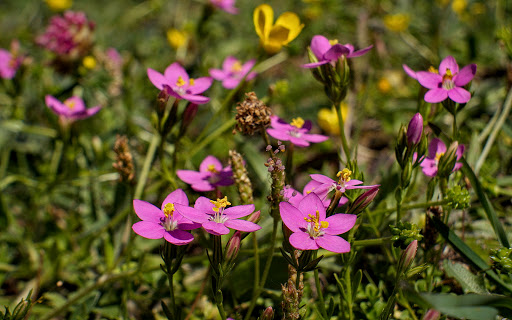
<point>72,108</point>
<point>225,5</point>
<point>330,51</point>
<point>211,174</point>
<point>296,132</point>
<point>166,222</point>
<point>344,182</point>
<point>233,71</point>
<point>447,82</point>
<point>311,229</point>
<point>436,150</point>
<point>216,218</point>
<point>177,83</point>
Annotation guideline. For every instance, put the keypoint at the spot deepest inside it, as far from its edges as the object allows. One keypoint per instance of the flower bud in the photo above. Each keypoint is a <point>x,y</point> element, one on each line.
<point>255,217</point>
<point>432,314</point>
<point>233,246</point>
<point>415,130</point>
<point>268,314</point>
<point>448,160</point>
<point>401,146</point>
<point>405,178</point>
<point>363,201</point>
<point>189,114</point>
<point>407,257</point>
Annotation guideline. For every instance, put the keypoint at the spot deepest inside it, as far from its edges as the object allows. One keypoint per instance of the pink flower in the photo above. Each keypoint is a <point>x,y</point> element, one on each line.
<point>296,132</point>
<point>166,222</point>
<point>9,63</point>
<point>415,129</point>
<point>311,229</point>
<point>225,5</point>
<point>294,197</point>
<point>447,82</point>
<point>215,218</point>
<point>233,71</point>
<point>177,83</point>
<point>327,52</point>
<point>436,150</point>
<point>211,174</point>
<point>72,109</point>
<point>344,182</point>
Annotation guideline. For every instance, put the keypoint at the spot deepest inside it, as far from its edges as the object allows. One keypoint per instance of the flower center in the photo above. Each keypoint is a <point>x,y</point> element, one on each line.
<point>180,82</point>
<point>315,226</point>
<point>218,208</point>
<point>169,223</point>
<point>237,67</point>
<point>70,104</point>
<point>438,156</point>
<point>333,42</point>
<point>447,80</point>
<point>297,122</point>
<point>344,177</point>
<point>433,70</point>
<point>211,168</point>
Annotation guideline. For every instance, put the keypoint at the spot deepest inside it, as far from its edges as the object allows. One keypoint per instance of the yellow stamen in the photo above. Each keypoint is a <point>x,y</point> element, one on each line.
<point>344,174</point>
<point>237,67</point>
<point>448,75</point>
<point>316,220</point>
<point>439,155</point>
<point>333,42</point>
<point>70,104</point>
<point>297,122</point>
<point>169,209</point>
<point>220,203</point>
<point>211,168</point>
<point>180,82</point>
<point>433,70</point>
<point>191,82</point>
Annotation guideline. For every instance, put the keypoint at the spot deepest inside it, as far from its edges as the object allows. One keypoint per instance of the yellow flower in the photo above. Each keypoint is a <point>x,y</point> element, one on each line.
<point>59,5</point>
<point>459,6</point>
<point>328,119</point>
<point>274,36</point>
<point>397,22</point>
<point>177,38</point>
<point>89,62</point>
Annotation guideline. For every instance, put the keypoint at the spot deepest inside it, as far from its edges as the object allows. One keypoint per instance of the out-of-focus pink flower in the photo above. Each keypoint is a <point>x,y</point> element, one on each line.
<point>10,61</point>
<point>211,174</point>
<point>296,132</point>
<point>294,197</point>
<point>177,83</point>
<point>327,51</point>
<point>233,71</point>
<point>344,182</point>
<point>69,36</point>
<point>447,82</point>
<point>311,229</point>
<point>436,150</point>
<point>225,5</point>
<point>72,109</point>
<point>114,58</point>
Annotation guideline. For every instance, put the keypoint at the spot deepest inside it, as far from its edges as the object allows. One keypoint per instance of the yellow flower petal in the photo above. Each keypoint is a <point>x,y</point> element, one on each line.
<point>290,21</point>
<point>263,18</point>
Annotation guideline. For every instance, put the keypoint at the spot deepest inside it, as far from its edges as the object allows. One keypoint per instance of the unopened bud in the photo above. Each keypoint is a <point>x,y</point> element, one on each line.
<point>189,114</point>
<point>363,201</point>
<point>161,100</point>
<point>448,160</point>
<point>432,314</point>
<point>406,175</point>
<point>233,246</point>
<point>268,314</point>
<point>408,256</point>
<point>415,130</point>
<point>401,146</point>
<point>255,217</point>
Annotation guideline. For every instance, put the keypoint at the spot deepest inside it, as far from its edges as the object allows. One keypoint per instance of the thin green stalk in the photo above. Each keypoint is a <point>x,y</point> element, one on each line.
<point>455,131</point>
<point>214,135</point>
<point>170,277</point>
<point>256,254</point>
<point>344,141</point>
<point>411,206</point>
<point>141,183</point>
<point>319,289</point>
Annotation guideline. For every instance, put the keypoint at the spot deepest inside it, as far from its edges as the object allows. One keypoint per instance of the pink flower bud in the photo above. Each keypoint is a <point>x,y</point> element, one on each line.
<point>255,217</point>
<point>268,314</point>
<point>432,314</point>
<point>233,246</point>
<point>363,201</point>
<point>408,256</point>
<point>415,129</point>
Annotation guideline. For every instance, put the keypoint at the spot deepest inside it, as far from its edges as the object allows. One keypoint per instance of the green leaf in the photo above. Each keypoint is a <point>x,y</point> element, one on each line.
<point>470,282</point>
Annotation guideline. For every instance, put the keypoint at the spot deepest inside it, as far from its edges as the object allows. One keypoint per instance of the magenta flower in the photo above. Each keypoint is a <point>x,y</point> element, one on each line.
<point>296,132</point>
<point>294,197</point>
<point>436,150</point>
<point>72,109</point>
<point>328,52</point>
<point>311,229</point>
<point>9,64</point>
<point>166,222</point>
<point>344,182</point>
<point>177,83</point>
<point>211,175</point>
<point>225,5</point>
<point>447,82</point>
<point>415,129</point>
<point>233,71</point>
<point>215,218</point>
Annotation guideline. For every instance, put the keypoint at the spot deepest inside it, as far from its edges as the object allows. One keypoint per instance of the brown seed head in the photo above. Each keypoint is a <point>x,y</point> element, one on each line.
<point>124,160</point>
<point>252,115</point>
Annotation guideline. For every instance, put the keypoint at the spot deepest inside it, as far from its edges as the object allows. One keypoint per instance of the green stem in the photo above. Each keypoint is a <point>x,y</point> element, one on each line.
<point>141,183</point>
<point>344,141</point>
<point>256,265</point>
<point>201,144</point>
<point>455,131</point>
<point>170,277</point>
<point>411,206</point>
<point>319,289</point>
<point>289,163</point>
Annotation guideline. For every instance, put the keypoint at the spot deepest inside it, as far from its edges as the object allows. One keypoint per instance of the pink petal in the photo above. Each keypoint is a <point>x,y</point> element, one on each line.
<point>465,75</point>
<point>77,103</point>
<point>190,176</point>
<point>92,111</point>
<point>239,211</point>
<point>157,79</point>
<point>228,63</point>
<point>335,52</point>
<point>292,217</point>
<point>302,241</point>
<point>203,204</point>
<point>428,79</point>
<point>321,178</point>
<point>459,95</point>
<point>218,74</point>
<point>340,223</point>
<point>246,67</point>
<point>200,85</point>
<point>315,64</point>
<point>457,166</point>
<point>429,167</point>
<point>147,212</point>
<point>311,204</point>
<point>436,95</point>
<point>194,98</point>
<point>242,225</point>
<point>299,142</point>
<point>215,228</point>
<point>315,138</point>
<point>185,224</point>
<point>178,237</point>
<point>359,53</point>
<point>333,243</point>
<point>230,83</point>
<point>278,134</point>
<point>203,186</point>
<point>173,72</point>
<point>319,46</point>
<point>409,71</point>
<point>177,196</point>
<point>208,161</point>
<point>448,63</point>
<point>57,106</point>
<point>148,230</point>
<point>436,146</point>
<point>192,214</point>
<point>460,151</point>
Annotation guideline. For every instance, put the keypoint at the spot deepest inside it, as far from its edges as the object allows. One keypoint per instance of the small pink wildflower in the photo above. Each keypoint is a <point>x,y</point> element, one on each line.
<point>177,83</point>
<point>72,109</point>
<point>311,229</point>
<point>294,197</point>
<point>211,174</point>
<point>233,71</point>
<point>166,222</point>
<point>447,82</point>
<point>216,219</point>
<point>296,132</point>
<point>436,150</point>
<point>9,61</point>
<point>330,51</point>
<point>225,5</point>
<point>344,182</point>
